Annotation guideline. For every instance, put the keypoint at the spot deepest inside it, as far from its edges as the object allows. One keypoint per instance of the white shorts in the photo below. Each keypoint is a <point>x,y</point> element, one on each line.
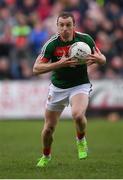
<point>59,98</point>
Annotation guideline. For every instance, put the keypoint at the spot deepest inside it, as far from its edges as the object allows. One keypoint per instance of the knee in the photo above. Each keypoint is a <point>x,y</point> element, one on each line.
<point>78,116</point>
<point>47,130</point>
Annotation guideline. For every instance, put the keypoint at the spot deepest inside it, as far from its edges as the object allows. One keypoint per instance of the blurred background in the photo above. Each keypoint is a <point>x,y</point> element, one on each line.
<point>25,25</point>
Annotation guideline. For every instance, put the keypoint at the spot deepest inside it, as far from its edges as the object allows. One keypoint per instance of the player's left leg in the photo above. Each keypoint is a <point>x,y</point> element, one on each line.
<point>79,103</point>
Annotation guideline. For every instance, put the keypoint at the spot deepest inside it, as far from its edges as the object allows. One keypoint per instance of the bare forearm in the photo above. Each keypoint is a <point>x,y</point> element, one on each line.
<point>41,68</point>
<point>45,68</point>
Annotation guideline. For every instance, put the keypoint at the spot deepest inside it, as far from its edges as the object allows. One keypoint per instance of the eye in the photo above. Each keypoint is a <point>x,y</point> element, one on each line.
<point>61,25</point>
<point>68,25</point>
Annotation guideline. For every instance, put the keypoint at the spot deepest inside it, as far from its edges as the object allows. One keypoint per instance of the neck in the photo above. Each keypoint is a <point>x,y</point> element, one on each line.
<point>70,38</point>
<point>67,39</point>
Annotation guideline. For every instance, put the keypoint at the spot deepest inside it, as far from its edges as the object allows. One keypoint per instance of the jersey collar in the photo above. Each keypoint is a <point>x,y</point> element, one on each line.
<point>61,39</point>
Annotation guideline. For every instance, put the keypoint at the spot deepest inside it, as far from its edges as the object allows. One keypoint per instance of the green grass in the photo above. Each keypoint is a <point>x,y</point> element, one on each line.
<point>20,148</point>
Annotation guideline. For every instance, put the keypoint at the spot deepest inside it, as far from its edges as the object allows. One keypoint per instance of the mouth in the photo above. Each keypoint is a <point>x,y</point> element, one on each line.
<point>65,33</point>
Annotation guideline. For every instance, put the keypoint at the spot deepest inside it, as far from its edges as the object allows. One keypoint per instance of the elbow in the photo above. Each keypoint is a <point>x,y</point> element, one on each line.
<point>103,61</point>
<point>35,71</point>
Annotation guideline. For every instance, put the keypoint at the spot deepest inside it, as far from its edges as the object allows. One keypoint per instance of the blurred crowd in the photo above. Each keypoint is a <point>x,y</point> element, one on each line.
<point>25,25</point>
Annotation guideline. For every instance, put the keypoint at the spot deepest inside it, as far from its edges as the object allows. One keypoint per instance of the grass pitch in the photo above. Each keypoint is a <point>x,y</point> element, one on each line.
<point>20,148</point>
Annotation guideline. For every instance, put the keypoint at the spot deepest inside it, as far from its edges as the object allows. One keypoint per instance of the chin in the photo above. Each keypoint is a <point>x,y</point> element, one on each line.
<point>65,36</point>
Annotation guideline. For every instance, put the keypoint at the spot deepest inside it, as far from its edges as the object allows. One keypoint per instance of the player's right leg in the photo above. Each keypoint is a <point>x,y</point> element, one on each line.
<point>51,118</point>
<point>54,106</point>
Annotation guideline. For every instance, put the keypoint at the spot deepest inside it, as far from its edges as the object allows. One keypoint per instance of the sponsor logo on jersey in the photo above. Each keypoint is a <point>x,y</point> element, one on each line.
<point>59,51</point>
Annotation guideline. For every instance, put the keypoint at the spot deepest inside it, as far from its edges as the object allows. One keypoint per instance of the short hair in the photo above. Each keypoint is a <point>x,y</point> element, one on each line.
<point>65,15</point>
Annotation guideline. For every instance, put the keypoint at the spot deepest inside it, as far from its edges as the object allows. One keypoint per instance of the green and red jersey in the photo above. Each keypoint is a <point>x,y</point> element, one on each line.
<point>53,50</point>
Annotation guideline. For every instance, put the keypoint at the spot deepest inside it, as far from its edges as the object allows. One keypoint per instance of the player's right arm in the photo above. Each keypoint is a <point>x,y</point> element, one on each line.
<point>41,67</point>
<point>44,65</point>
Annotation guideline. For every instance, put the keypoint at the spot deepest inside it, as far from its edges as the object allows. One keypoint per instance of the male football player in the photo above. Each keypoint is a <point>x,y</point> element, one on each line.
<point>69,83</point>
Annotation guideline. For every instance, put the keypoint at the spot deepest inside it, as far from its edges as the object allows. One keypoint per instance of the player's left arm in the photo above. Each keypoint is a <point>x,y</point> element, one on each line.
<point>97,57</point>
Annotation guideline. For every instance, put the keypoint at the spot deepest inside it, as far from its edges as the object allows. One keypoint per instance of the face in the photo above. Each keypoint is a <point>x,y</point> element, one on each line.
<point>65,27</point>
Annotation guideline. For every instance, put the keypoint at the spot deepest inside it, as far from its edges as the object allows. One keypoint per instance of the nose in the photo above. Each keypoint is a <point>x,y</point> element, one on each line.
<point>64,27</point>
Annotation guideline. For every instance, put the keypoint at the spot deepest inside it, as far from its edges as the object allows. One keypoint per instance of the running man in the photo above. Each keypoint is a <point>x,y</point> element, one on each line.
<point>69,83</point>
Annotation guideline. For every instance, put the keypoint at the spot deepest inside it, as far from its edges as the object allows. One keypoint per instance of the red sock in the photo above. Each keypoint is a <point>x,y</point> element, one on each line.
<point>80,135</point>
<point>46,151</point>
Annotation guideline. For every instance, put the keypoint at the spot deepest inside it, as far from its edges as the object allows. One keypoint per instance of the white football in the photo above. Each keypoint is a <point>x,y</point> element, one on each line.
<point>79,51</point>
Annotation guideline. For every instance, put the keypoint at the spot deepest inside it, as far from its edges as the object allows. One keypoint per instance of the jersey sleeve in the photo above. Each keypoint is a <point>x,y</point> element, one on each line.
<point>46,52</point>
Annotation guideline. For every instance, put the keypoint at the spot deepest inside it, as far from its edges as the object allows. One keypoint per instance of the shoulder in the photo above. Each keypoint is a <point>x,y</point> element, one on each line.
<point>52,40</point>
<point>49,45</point>
<point>84,35</point>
